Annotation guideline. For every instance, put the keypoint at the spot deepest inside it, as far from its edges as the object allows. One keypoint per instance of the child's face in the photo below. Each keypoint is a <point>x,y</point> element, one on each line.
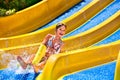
<point>61,31</point>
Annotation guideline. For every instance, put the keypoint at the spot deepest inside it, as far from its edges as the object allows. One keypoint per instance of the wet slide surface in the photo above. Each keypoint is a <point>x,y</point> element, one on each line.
<point>102,16</point>
<point>67,14</point>
<point>114,37</point>
<point>103,72</point>
<point>10,75</point>
<point>22,75</point>
<point>26,76</point>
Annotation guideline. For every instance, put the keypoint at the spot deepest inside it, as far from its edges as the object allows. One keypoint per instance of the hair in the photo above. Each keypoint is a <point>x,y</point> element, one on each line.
<point>59,25</point>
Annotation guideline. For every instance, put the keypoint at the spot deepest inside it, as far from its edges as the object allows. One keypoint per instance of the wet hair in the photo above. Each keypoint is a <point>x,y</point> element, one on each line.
<point>59,25</point>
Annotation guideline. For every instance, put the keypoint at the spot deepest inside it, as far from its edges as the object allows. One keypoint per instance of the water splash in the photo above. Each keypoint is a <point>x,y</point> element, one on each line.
<point>5,58</point>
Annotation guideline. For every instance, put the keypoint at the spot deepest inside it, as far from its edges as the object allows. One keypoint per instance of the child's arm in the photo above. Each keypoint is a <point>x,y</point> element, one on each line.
<point>46,39</point>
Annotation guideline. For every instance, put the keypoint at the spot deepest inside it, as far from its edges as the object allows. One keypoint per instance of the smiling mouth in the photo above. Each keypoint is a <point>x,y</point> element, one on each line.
<point>61,34</point>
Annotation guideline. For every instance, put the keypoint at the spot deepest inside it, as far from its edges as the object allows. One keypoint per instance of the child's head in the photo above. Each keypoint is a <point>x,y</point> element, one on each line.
<point>60,29</point>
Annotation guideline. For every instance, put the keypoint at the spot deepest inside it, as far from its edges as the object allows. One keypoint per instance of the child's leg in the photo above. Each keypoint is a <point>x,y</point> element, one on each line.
<point>40,66</point>
<point>25,63</point>
<point>30,59</point>
<point>22,62</point>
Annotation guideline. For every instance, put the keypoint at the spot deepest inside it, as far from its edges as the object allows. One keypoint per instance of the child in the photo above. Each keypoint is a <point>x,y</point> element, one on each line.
<point>53,44</point>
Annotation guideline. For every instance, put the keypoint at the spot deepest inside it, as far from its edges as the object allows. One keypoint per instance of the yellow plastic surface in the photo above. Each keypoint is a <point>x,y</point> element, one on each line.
<point>40,53</point>
<point>72,22</point>
<point>60,64</point>
<point>33,17</point>
<point>94,34</point>
<point>75,42</point>
<point>117,71</point>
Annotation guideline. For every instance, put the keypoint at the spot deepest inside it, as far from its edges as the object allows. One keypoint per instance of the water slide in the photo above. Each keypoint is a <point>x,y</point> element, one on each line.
<point>89,35</point>
<point>82,40</point>
<point>78,18</point>
<point>79,60</point>
<point>97,19</point>
<point>33,17</point>
<point>83,58</point>
<point>104,71</point>
<point>113,37</point>
<point>117,71</point>
<point>101,72</point>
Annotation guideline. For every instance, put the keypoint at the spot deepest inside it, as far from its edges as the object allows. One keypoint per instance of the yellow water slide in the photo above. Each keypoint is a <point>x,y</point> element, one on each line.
<point>117,71</point>
<point>72,22</point>
<point>94,34</point>
<point>82,40</point>
<point>33,17</point>
<point>74,60</point>
<point>80,59</point>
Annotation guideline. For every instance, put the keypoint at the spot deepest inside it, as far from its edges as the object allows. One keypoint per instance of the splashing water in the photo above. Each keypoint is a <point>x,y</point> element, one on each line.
<point>16,67</point>
<point>16,72</point>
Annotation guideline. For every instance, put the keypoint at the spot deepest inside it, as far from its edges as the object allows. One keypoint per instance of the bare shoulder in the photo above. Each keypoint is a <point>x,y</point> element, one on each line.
<point>48,36</point>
